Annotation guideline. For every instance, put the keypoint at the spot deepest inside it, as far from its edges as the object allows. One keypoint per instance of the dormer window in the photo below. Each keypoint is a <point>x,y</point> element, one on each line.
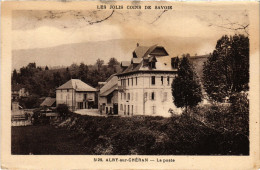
<point>153,65</point>
<point>152,62</point>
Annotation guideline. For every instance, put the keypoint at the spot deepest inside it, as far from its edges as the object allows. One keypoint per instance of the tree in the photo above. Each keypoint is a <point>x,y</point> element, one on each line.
<point>57,79</point>
<point>83,72</point>
<point>46,68</point>
<point>31,65</point>
<point>186,89</point>
<point>99,63</point>
<point>112,63</point>
<point>14,77</point>
<point>63,110</point>
<point>227,70</point>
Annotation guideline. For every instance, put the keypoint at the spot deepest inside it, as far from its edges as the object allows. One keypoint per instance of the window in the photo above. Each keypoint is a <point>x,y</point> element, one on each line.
<point>153,96</point>
<point>103,106</point>
<point>121,82</point>
<point>153,80</point>
<point>121,107</point>
<point>162,79</point>
<point>136,81</point>
<point>128,96</point>
<point>168,80</point>
<point>124,96</point>
<point>67,90</point>
<point>153,64</point>
<point>128,81</point>
<point>124,109</point>
<point>132,110</point>
<point>154,109</point>
<point>85,96</point>
<point>165,96</point>
<point>109,99</point>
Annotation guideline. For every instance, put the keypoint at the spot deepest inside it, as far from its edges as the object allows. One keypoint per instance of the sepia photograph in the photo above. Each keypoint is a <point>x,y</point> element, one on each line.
<point>132,79</point>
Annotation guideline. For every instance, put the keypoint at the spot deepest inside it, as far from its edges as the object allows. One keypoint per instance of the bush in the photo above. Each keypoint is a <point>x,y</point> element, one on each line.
<point>63,110</point>
<point>232,117</point>
<point>30,102</point>
<point>239,111</point>
<point>147,135</point>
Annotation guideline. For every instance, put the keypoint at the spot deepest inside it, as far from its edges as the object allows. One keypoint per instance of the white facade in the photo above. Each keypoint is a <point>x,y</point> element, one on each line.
<point>146,94</point>
<point>74,99</point>
<point>76,95</point>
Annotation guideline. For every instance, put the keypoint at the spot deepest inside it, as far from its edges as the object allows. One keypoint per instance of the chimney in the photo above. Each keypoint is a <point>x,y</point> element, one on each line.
<point>137,44</point>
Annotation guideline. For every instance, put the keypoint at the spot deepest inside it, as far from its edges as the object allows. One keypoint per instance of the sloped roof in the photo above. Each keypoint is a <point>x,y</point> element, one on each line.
<point>161,65</point>
<point>109,78</point>
<point>143,51</point>
<point>140,51</point>
<point>125,63</point>
<point>109,91</point>
<point>110,86</point>
<point>136,60</point>
<point>76,84</point>
<point>48,102</point>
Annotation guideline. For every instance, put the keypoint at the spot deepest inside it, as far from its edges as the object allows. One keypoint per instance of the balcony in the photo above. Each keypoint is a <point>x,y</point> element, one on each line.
<point>121,88</point>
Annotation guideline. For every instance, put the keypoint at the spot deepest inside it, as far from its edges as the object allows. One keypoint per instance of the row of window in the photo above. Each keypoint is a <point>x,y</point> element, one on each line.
<point>129,109</point>
<point>67,96</point>
<point>151,95</point>
<point>125,82</point>
<point>130,81</point>
<point>127,96</point>
<point>153,82</point>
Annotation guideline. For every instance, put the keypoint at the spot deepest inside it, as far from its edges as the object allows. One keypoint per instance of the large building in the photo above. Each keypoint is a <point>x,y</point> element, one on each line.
<point>145,85</point>
<point>76,95</point>
<point>108,96</point>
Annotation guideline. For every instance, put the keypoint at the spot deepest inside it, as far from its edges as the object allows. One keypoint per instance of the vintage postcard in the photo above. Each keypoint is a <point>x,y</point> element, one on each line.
<point>130,85</point>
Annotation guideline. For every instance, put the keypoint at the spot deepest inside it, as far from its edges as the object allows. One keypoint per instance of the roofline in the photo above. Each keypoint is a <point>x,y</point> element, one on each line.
<point>86,90</point>
<point>115,85</point>
<point>76,89</point>
<point>63,88</point>
<point>147,71</point>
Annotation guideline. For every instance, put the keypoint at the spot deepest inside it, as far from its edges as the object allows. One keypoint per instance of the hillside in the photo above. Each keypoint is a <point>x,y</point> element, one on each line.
<point>121,49</point>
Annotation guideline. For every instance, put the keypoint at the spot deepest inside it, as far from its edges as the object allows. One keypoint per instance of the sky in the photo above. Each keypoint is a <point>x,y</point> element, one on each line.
<point>34,29</point>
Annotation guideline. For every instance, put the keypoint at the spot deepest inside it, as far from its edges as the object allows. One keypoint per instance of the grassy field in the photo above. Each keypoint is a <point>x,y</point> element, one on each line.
<point>44,140</point>
<point>78,134</point>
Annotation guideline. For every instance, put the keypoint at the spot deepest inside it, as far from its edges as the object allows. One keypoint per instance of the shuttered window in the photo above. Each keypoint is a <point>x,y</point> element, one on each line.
<point>153,80</point>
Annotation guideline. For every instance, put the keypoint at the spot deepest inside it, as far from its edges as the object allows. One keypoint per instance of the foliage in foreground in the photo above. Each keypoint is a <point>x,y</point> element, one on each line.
<point>181,135</point>
<point>227,69</point>
<point>186,89</point>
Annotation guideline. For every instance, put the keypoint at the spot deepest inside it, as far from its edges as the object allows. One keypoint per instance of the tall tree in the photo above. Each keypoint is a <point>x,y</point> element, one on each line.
<point>57,79</point>
<point>112,63</point>
<point>227,69</point>
<point>186,89</point>
<point>99,63</point>
<point>15,77</point>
